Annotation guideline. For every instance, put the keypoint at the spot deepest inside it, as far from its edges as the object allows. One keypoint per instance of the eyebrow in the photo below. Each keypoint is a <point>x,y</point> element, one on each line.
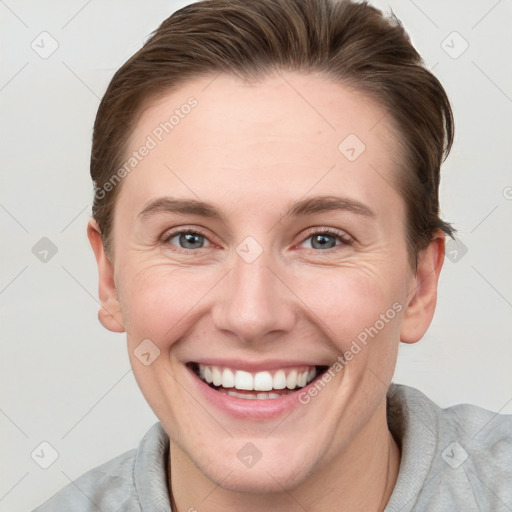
<point>303,207</point>
<point>184,206</point>
<point>319,204</point>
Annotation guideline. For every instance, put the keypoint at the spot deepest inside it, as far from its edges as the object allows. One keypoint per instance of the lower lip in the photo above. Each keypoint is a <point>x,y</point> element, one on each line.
<point>252,409</point>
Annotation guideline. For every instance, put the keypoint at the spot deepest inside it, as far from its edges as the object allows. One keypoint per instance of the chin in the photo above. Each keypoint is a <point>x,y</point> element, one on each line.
<point>274,475</point>
<point>261,482</point>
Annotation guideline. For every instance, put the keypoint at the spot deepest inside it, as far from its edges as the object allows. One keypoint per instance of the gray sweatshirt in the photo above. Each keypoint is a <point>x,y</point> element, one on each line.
<point>454,459</point>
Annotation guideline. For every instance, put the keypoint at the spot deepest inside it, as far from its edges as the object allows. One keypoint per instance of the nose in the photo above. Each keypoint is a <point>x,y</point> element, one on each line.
<point>253,302</point>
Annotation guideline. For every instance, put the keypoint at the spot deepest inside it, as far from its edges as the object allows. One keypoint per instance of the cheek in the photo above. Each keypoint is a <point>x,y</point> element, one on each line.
<point>353,303</point>
<point>163,302</point>
<point>158,301</point>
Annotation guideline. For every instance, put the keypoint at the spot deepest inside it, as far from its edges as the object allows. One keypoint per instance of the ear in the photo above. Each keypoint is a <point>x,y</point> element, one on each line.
<point>422,296</point>
<point>110,312</point>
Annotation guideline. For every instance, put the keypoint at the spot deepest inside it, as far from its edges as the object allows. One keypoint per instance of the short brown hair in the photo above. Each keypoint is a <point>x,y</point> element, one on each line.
<point>348,42</point>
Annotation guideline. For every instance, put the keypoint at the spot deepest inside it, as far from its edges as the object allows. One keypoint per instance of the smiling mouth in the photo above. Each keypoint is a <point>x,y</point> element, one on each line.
<point>256,385</point>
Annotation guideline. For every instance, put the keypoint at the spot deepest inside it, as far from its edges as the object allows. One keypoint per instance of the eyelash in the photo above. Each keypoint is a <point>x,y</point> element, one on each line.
<point>343,237</point>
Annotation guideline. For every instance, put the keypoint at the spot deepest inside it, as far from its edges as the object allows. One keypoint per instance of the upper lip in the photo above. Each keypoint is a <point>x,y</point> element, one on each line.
<point>256,366</point>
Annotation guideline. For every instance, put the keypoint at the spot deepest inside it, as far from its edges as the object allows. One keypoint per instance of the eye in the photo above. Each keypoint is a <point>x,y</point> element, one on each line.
<point>325,239</point>
<point>187,239</point>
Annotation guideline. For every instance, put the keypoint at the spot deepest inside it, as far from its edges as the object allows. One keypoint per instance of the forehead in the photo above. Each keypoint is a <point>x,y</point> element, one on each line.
<point>279,137</point>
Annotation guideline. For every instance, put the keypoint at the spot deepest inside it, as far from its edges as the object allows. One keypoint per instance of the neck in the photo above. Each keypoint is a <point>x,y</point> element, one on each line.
<point>361,478</point>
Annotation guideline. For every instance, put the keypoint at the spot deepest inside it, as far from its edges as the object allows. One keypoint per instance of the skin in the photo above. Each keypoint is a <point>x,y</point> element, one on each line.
<point>251,150</point>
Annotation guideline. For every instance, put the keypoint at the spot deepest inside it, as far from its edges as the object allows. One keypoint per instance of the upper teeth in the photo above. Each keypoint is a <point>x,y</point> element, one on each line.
<point>260,381</point>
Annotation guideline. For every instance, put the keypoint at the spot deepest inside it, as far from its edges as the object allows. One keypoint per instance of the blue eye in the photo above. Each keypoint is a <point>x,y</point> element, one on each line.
<point>319,239</point>
<point>326,239</point>
<point>188,240</point>
<point>322,241</point>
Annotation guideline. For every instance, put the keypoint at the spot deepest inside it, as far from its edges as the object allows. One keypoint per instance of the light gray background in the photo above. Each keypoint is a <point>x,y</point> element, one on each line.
<point>67,381</point>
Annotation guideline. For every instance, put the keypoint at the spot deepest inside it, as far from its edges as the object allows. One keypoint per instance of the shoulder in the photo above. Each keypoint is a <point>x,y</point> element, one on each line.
<point>107,487</point>
<point>454,456</point>
<point>477,449</point>
<point>128,482</point>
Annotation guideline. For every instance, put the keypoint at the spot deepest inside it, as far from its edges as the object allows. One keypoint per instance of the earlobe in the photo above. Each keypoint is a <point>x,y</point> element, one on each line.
<point>422,297</point>
<point>109,315</point>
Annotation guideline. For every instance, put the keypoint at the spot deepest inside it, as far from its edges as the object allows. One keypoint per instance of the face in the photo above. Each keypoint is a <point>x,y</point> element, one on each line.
<point>258,243</point>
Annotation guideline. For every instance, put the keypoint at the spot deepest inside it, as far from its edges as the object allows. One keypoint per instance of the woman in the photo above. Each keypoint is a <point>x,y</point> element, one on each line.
<point>266,228</point>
